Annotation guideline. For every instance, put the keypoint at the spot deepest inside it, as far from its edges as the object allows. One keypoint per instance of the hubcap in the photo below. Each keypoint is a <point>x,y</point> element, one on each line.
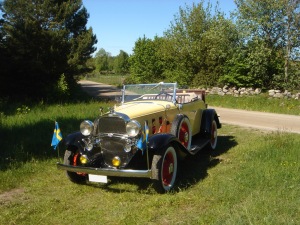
<point>168,169</point>
<point>184,134</point>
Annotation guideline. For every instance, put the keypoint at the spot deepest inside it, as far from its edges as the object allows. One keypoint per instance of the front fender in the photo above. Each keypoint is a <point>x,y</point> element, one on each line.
<point>74,139</point>
<point>208,116</point>
<point>159,141</point>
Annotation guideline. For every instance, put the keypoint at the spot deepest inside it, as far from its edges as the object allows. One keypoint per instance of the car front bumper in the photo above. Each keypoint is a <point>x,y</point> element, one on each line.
<point>106,171</point>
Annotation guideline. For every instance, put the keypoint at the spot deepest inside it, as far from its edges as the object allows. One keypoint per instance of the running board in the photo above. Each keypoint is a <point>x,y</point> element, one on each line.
<point>198,143</point>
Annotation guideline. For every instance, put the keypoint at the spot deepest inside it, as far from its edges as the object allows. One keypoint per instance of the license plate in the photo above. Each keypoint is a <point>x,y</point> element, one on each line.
<point>97,178</point>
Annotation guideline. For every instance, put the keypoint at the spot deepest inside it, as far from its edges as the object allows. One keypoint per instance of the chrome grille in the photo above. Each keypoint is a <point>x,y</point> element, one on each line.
<point>113,138</point>
<point>112,124</point>
<point>114,146</point>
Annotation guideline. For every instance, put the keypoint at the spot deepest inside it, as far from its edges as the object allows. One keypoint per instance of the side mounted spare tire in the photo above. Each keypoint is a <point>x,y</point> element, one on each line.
<point>181,128</point>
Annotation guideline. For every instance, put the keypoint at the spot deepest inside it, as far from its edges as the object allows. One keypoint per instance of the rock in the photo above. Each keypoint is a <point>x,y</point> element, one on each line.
<point>271,93</point>
<point>221,93</point>
<point>278,95</point>
<point>257,91</point>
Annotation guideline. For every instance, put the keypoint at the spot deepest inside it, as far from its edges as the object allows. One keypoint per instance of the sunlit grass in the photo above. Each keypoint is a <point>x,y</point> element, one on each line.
<point>256,103</point>
<point>116,80</point>
<point>251,178</point>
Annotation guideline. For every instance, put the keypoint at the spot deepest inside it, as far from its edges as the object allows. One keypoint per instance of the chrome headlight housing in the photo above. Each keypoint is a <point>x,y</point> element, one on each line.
<point>86,127</point>
<point>133,128</point>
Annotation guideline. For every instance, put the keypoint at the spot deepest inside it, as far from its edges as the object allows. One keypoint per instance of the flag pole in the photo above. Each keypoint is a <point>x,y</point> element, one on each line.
<point>146,124</point>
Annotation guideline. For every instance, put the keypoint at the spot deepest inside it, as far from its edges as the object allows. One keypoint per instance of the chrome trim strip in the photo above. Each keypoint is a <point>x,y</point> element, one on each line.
<point>106,171</point>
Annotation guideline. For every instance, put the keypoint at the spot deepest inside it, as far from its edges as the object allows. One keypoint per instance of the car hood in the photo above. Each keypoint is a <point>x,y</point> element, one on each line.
<point>140,109</point>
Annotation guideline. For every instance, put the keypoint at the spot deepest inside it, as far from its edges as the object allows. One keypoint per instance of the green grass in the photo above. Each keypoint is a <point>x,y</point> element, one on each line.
<point>26,133</point>
<point>116,80</point>
<point>256,103</point>
<point>252,178</point>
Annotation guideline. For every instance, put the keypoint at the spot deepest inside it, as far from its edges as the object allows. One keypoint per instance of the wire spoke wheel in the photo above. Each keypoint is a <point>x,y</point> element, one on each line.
<point>181,128</point>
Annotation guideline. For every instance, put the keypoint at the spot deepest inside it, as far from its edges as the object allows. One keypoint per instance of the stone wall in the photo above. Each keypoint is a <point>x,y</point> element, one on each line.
<point>237,92</point>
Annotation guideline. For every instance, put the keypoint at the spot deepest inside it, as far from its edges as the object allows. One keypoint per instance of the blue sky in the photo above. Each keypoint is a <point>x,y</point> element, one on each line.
<point>119,23</point>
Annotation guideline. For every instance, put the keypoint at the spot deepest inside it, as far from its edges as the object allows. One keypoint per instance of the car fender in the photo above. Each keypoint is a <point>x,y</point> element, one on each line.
<point>74,139</point>
<point>159,141</point>
<point>208,116</point>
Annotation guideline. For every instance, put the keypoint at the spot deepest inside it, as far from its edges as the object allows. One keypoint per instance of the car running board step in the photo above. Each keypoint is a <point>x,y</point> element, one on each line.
<point>198,144</point>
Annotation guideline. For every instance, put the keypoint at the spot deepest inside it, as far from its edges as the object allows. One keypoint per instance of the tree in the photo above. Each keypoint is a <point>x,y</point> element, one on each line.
<point>121,63</point>
<point>201,43</point>
<point>102,61</point>
<point>145,62</point>
<point>45,39</point>
<point>276,23</point>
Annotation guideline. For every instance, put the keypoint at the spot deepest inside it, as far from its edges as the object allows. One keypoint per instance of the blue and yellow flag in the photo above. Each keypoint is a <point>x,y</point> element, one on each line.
<point>142,142</point>
<point>57,136</point>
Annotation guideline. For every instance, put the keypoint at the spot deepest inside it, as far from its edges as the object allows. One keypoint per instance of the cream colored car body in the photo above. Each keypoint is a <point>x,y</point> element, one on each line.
<point>152,111</point>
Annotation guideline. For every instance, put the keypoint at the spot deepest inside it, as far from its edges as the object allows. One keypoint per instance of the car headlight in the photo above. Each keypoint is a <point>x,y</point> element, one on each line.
<point>133,128</point>
<point>86,127</point>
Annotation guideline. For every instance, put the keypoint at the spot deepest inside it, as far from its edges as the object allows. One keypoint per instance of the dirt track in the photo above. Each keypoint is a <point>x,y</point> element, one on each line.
<point>258,120</point>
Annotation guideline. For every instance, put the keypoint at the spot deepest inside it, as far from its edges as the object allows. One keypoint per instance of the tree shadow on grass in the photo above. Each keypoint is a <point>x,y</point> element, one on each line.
<point>190,171</point>
<point>26,142</point>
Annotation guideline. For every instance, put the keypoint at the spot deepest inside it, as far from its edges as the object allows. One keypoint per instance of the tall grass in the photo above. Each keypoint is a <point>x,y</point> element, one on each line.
<point>256,103</point>
<point>26,131</point>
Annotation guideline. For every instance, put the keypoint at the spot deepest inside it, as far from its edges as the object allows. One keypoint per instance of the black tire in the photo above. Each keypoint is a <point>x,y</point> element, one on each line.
<point>181,128</point>
<point>164,169</point>
<point>213,135</point>
<point>73,176</point>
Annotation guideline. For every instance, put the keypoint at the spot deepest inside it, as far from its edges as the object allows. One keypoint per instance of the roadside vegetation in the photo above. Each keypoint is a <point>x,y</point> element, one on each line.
<point>256,46</point>
<point>261,103</point>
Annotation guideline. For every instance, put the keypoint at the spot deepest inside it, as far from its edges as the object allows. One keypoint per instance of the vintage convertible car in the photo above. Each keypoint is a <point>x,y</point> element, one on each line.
<point>153,127</point>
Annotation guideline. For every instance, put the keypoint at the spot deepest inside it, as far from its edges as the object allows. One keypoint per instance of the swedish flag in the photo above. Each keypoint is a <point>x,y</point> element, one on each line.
<point>142,142</point>
<point>57,136</point>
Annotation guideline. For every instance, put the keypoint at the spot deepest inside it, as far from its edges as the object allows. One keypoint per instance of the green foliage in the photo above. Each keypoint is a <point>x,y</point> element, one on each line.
<point>23,110</point>
<point>275,24</point>
<point>101,61</point>
<point>121,63</point>
<point>146,64</point>
<point>43,39</point>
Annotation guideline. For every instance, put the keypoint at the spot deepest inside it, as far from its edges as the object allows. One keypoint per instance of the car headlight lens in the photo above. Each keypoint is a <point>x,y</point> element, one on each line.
<point>86,127</point>
<point>133,128</point>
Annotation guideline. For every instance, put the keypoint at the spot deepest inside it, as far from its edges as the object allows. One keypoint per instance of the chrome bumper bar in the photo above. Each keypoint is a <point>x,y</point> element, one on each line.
<point>106,171</point>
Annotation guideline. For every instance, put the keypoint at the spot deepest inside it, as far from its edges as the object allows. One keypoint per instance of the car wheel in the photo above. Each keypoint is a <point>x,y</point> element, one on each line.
<point>213,135</point>
<point>181,128</point>
<point>73,176</point>
<point>164,169</point>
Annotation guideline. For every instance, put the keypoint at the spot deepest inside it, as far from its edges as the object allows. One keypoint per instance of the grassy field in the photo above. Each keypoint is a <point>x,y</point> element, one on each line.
<point>256,103</point>
<point>251,178</point>
<point>116,80</point>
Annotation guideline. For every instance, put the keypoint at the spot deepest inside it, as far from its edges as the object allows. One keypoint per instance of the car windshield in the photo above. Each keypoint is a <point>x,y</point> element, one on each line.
<point>144,92</point>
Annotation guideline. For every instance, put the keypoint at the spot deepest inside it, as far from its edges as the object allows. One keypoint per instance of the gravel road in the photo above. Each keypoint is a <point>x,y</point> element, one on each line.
<point>253,119</point>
